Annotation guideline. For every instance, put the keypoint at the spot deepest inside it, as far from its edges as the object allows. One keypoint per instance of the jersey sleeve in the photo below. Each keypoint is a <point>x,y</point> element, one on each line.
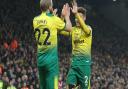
<point>89,27</point>
<point>59,23</point>
<point>83,25</point>
<point>65,33</point>
<point>35,23</point>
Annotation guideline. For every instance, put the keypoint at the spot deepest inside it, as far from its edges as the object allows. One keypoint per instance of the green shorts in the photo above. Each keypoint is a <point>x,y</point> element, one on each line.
<point>48,74</point>
<point>79,75</point>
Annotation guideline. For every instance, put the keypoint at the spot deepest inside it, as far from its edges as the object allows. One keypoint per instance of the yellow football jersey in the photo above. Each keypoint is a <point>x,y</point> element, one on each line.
<point>81,42</point>
<point>45,30</point>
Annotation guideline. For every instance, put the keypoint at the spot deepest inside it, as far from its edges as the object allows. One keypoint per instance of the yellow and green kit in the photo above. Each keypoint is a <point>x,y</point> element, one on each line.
<point>46,26</point>
<point>80,69</point>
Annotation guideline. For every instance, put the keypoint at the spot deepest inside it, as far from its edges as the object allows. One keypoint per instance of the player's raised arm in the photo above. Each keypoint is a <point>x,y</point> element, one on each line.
<point>66,14</point>
<point>65,33</point>
<point>78,16</point>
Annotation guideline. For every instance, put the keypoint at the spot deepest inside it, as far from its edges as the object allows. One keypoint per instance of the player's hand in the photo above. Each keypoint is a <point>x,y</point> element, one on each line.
<point>65,11</point>
<point>74,7</point>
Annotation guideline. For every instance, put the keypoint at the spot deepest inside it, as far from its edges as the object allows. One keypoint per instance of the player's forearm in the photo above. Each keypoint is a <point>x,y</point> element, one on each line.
<point>82,24</point>
<point>65,33</point>
<point>68,24</point>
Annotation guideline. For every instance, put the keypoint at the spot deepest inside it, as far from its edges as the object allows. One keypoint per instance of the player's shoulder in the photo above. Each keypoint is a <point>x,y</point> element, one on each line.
<point>90,28</point>
<point>57,18</point>
<point>36,18</point>
<point>43,15</point>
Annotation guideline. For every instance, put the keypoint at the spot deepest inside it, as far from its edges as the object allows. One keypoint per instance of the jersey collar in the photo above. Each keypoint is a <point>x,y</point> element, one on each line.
<point>48,14</point>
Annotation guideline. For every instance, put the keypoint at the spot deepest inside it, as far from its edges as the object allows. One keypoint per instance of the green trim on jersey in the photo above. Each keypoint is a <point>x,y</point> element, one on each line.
<point>49,14</point>
<point>45,58</point>
<point>81,42</point>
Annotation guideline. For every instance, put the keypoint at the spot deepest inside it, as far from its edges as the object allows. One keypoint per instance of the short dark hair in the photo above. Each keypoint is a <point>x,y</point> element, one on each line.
<point>45,4</point>
<point>82,10</point>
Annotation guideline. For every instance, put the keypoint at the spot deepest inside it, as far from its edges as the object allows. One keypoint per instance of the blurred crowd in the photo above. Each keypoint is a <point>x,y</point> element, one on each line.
<point>18,65</point>
<point>18,51</point>
<point>110,55</point>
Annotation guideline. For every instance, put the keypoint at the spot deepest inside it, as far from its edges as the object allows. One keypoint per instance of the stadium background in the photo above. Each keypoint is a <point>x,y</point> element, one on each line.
<point>108,19</point>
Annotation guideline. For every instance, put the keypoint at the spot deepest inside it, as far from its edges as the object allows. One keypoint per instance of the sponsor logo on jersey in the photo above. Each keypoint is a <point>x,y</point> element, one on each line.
<point>78,41</point>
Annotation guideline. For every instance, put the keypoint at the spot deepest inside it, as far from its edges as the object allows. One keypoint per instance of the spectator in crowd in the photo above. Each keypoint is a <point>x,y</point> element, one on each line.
<point>11,85</point>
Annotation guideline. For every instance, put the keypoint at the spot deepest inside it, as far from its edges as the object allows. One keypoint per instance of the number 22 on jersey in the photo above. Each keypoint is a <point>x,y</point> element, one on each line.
<point>38,33</point>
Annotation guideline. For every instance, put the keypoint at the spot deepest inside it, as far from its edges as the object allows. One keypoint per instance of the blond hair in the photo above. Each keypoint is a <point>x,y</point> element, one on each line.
<point>45,4</point>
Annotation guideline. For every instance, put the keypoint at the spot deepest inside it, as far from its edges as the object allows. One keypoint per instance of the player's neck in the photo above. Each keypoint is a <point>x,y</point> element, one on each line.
<point>47,11</point>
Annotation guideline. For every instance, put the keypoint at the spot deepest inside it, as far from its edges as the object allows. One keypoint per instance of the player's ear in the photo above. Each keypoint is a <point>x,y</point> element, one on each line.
<point>55,12</point>
<point>51,5</point>
<point>84,18</point>
<point>51,9</point>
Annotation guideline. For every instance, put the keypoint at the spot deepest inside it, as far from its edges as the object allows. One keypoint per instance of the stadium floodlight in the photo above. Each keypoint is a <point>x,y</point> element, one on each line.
<point>114,0</point>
